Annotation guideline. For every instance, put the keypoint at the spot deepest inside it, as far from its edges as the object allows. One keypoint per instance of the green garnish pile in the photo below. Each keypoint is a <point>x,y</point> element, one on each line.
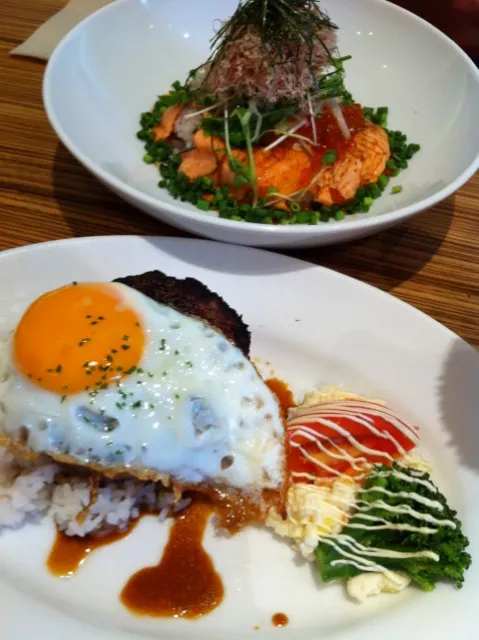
<point>448,542</point>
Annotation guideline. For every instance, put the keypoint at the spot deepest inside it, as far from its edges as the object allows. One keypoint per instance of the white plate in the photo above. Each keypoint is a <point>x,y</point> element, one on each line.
<point>113,65</point>
<point>314,326</point>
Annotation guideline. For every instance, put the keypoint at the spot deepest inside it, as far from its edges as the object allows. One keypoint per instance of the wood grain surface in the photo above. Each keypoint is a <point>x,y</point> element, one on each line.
<point>430,261</point>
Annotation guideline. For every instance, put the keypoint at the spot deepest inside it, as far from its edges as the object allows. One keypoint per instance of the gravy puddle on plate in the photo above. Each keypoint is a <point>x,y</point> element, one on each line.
<point>70,552</point>
<point>185,583</point>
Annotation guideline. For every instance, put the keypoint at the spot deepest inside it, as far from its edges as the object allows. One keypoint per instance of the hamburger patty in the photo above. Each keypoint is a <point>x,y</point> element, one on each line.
<point>193,298</point>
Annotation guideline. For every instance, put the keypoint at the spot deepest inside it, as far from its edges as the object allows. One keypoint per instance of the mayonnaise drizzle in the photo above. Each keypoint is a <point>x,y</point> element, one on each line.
<point>380,552</point>
<point>317,462</point>
<point>405,510</point>
<point>403,476</point>
<point>312,436</point>
<point>358,555</point>
<point>409,495</point>
<point>359,412</point>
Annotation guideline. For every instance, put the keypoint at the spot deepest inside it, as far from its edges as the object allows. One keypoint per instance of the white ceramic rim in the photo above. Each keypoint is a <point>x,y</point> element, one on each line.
<point>292,230</point>
<point>82,239</point>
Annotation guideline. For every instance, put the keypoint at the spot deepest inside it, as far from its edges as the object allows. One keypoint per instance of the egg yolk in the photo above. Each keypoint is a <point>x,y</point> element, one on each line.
<point>82,337</point>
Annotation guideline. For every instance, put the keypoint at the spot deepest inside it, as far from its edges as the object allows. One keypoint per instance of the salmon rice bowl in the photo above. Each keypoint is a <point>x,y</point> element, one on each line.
<point>265,131</point>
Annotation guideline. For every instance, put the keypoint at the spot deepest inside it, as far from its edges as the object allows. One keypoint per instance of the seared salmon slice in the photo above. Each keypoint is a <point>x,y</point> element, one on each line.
<point>371,146</point>
<point>209,143</point>
<point>363,163</point>
<point>164,129</point>
<point>344,177</point>
<point>198,163</point>
<point>287,171</point>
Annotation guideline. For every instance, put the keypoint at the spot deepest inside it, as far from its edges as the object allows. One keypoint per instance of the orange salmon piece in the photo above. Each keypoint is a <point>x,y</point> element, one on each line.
<point>198,163</point>
<point>284,170</point>
<point>209,143</point>
<point>164,129</point>
<point>363,163</point>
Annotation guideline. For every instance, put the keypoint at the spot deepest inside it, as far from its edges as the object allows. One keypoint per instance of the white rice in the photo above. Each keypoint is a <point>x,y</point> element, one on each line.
<point>30,491</point>
<point>25,489</point>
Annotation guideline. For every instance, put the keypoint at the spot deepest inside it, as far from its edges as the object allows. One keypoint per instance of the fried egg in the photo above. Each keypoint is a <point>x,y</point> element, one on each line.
<point>98,374</point>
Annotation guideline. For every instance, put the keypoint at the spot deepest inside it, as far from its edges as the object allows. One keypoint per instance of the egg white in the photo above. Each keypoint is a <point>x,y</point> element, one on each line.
<point>198,411</point>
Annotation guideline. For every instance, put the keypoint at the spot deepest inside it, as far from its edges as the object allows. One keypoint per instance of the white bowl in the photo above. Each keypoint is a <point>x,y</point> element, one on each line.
<point>112,66</point>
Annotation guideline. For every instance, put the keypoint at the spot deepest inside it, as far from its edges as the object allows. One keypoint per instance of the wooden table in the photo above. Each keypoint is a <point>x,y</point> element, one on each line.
<point>430,261</point>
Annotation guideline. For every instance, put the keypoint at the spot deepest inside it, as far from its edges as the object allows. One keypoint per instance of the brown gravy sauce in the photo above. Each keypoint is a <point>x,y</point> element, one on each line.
<point>185,583</point>
<point>283,393</point>
<point>70,552</point>
<point>280,620</point>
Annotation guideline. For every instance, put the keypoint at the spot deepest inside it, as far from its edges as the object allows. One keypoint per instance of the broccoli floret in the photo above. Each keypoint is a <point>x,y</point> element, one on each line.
<point>449,543</point>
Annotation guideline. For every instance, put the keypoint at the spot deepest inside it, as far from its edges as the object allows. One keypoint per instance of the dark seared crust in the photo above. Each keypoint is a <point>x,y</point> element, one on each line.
<point>193,298</point>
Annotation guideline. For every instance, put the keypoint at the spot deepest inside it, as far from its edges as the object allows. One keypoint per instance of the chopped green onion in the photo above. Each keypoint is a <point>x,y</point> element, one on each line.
<point>304,217</point>
<point>361,192</point>
<point>330,157</point>
<point>412,149</point>
<point>148,159</point>
<point>383,181</point>
<point>397,189</point>
<point>375,191</point>
<point>240,180</point>
<point>325,214</point>
<point>382,116</point>
<point>339,215</point>
<point>203,204</point>
<point>295,207</point>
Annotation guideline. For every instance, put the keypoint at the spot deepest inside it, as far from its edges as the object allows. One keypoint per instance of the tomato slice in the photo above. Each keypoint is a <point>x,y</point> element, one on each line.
<point>366,433</point>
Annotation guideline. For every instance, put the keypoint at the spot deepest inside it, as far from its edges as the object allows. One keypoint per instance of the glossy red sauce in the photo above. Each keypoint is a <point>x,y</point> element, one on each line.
<point>280,620</point>
<point>185,583</point>
<point>329,138</point>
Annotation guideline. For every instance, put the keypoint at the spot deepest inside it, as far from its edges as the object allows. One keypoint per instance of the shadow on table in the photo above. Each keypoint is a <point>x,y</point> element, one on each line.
<point>387,259</point>
<point>393,256</point>
<point>89,208</point>
<point>458,391</point>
